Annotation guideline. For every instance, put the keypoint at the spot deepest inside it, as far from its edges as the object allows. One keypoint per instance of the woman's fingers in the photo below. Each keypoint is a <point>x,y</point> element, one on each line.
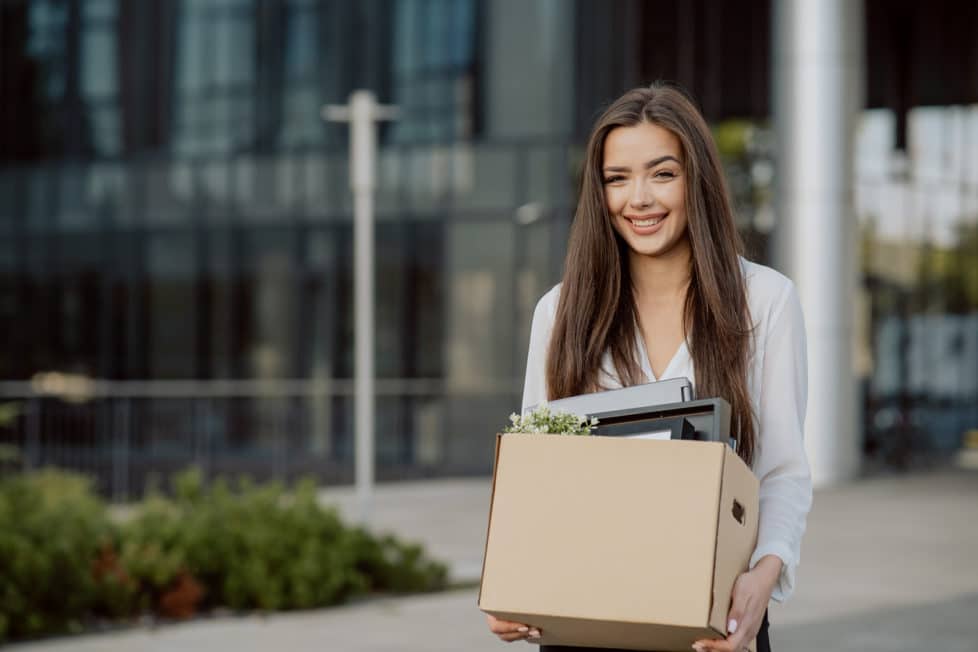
<point>527,636</point>
<point>499,626</point>
<point>523,632</point>
<point>510,631</point>
<point>718,645</point>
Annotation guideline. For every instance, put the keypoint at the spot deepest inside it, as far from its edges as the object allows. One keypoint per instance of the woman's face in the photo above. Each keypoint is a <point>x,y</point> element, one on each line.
<point>644,187</point>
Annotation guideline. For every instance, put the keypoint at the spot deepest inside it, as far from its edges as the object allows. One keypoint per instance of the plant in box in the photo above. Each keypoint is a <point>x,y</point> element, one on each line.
<point>544,421</point>
<point>658,539</point>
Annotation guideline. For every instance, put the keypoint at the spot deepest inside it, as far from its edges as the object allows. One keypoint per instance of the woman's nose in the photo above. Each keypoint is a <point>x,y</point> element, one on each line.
<point>641,195</point>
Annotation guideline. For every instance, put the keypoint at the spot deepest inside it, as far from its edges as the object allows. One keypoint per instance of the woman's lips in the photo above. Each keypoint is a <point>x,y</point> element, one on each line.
<point>646,224</point>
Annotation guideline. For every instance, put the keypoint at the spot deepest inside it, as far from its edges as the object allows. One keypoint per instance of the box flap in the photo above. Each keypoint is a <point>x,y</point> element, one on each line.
<point>492,494</point>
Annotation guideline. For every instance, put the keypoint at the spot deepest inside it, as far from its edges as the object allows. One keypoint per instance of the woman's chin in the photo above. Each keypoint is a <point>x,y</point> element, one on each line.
<point>653,247</point>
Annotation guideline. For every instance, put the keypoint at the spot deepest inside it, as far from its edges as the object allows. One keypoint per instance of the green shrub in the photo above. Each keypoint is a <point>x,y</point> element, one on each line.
<point>396,567</point>
<point>250,547</point>
<point>51,530</point>
<point>253,548</point>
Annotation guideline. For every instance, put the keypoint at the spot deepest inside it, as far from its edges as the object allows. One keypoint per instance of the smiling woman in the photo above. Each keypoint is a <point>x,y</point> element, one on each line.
<point>645,193</point>
<point>653,250</point>
<point>655,287</point>
<point>645,196</point>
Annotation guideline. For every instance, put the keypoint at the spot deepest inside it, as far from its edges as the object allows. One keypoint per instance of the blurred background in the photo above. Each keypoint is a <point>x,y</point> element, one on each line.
<point>176,238</point>
<point>176,250</point>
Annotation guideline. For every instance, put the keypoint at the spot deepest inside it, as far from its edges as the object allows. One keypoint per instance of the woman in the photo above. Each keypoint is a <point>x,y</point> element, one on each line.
<point>655,287</point>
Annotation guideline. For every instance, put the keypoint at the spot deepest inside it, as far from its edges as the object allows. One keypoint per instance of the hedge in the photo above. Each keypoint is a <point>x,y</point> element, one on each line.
<point>66,565</point>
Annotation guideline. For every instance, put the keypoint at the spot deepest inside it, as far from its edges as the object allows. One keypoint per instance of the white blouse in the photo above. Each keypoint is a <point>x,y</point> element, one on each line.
<point>778,386</point>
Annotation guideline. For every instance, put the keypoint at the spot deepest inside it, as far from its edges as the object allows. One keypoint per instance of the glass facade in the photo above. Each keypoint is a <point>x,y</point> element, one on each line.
<point>176,211</point>
<point>175,219</point>
<point>918,218</point>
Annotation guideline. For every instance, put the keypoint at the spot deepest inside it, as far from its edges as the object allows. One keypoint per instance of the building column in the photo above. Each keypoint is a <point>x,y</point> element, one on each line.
<point>817,61</point>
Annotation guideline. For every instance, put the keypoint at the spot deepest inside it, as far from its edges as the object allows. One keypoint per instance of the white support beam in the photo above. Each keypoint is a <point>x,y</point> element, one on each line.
<point>817,64</point>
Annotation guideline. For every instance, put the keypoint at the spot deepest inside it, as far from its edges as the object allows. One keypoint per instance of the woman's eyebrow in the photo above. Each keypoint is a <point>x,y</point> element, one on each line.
<point>651,164</point>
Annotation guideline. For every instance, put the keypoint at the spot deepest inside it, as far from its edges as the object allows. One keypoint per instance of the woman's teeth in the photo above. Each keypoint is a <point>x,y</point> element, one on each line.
<point>649,222</point>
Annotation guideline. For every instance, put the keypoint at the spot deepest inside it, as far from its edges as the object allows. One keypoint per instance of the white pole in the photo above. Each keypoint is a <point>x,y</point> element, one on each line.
<point>817,64</point>
<point>361,112</point>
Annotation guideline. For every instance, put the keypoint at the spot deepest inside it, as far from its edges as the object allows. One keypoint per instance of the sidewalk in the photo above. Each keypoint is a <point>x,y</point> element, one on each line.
<point>888,564</point>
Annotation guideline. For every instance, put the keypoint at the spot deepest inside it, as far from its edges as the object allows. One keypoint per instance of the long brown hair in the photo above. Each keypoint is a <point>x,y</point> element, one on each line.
<point>596,312</point>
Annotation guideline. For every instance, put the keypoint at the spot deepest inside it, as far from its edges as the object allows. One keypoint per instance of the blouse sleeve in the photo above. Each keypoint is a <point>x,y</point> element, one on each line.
<point>781,463</point>
<point>535,384</point>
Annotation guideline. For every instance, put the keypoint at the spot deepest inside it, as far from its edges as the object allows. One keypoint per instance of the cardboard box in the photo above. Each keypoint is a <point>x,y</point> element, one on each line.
<point>615,542</point>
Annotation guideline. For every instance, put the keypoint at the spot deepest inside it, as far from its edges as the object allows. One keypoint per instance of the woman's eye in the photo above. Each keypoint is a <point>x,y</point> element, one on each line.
<point>614,179</point>
<point>665,174</point>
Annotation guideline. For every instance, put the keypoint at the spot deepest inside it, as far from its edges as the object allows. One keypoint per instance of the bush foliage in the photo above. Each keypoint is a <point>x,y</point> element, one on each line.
<point>65,564</point>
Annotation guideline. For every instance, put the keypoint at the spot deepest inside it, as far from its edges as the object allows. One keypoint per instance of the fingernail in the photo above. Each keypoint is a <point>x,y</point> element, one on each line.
<point>732,626</point>
<point>523,630</point>
<point>697,647</point>
<point>534,633</point>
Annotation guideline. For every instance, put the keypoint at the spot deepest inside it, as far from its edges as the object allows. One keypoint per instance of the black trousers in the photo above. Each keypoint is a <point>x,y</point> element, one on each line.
<point>763,643</point>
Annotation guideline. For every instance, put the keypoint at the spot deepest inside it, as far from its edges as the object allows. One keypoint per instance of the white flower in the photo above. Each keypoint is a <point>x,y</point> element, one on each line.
<point>543,420</point>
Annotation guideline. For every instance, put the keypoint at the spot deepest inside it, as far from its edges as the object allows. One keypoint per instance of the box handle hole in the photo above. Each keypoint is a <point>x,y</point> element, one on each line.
<point>738,511</point>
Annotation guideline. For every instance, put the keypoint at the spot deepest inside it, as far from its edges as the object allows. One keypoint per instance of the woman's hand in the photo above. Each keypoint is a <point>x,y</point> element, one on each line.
<point>509,632</point>
<point>748,600</point>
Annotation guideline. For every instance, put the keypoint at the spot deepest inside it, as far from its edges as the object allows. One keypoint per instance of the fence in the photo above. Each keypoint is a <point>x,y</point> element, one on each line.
<point>125,434</point>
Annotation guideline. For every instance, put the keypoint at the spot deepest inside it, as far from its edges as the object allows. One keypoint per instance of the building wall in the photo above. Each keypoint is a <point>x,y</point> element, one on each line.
<point>172,208</point>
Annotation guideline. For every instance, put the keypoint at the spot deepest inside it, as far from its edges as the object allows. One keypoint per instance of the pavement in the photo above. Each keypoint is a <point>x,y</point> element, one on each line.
<point>889,563</point>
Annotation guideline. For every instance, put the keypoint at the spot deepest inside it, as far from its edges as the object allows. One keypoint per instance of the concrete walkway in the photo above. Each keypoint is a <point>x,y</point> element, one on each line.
<point>889,564</point>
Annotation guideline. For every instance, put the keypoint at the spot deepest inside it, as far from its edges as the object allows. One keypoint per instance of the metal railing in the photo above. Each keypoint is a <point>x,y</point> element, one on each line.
<point>128,435</point>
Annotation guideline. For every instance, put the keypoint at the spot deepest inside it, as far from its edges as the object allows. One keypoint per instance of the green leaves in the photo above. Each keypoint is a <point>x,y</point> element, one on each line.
<point>64,563</point>
<point>51,528</point>
<point>543,420</point>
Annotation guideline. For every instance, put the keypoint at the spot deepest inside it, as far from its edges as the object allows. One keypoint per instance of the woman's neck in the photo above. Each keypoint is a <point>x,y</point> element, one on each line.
<point>662,277</point>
